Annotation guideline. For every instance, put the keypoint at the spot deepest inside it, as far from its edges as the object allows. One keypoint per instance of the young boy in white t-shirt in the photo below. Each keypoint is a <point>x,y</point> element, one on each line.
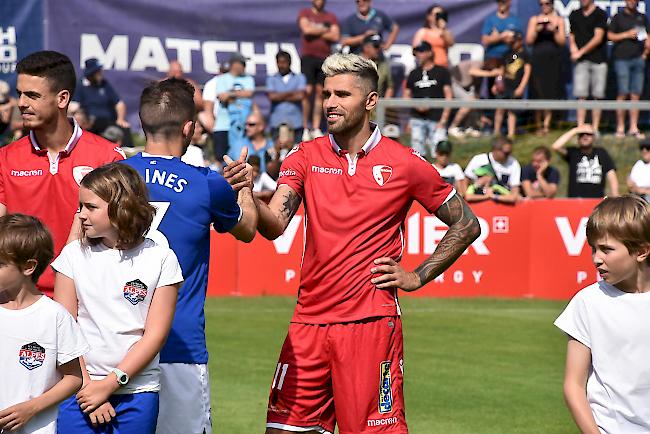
<point>40,342</point>
<point>607,378</point>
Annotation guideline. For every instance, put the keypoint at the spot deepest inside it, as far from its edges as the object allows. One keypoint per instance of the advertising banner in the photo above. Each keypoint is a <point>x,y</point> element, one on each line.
<point>534,249</point>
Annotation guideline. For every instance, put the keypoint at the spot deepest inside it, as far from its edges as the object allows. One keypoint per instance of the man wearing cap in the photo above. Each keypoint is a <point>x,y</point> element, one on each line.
<point>41,172</point>
<point>365,22</point>
<point>452,173</point>
<point>99,100</point>
<point>589,166</point>
<point>428,125</point>
<point>371,49</point>
<point>228,98</point>
<point>486,187</point>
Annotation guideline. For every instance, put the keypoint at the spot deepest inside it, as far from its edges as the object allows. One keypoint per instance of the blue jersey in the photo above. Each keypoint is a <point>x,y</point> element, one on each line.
<point>189,199</point>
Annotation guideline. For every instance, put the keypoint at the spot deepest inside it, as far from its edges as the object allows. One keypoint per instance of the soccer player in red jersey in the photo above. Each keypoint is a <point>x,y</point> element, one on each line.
<point>40,173</point>
<point>341,362</point>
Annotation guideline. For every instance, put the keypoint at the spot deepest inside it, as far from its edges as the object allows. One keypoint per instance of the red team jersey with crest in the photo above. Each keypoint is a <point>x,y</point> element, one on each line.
<point>355,211</point>
<point>34,183</point>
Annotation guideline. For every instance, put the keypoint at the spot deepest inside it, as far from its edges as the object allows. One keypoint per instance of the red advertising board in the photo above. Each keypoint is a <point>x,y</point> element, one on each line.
<point>534,249</point>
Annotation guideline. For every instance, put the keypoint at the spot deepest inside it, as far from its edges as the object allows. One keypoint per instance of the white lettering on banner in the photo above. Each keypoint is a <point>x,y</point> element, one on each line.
<point>289,275</point>
<point>582,276</point>
<point>150,54</point>
<point>440,278</point>
<point>413,231</point>
<point>8,50</point>
<point>183,49</point>
<point>435,229</point>
<point>477,276</point>
<point>458,277</point>
<point>116,55</point>
<point>284,242</point>
<point>572,242</point>
<point>210,50</point>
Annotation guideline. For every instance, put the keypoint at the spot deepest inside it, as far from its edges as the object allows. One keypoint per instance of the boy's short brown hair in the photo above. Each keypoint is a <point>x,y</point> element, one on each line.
<point>24,238</point>
<point>625,218</point>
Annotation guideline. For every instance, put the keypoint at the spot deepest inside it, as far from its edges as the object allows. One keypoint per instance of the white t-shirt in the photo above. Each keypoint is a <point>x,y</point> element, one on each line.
<point>114,289</point>
<point>508,173</point>
<point>264,182</point>
<point>451,173</point>
<point>640,174</point>
<point>615,325</point>
<point>194,156</point>
<point>34,342</point>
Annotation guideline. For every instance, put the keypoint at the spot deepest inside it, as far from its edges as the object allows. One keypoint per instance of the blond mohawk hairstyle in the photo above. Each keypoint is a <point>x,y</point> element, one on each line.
<point>365,69</point>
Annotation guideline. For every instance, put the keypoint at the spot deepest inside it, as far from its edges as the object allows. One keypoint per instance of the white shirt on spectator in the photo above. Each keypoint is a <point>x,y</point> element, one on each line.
<point>34,342</point>
<point>194,156</point>
<point>615,326</point>
<point>114,289</point>
<point>451,171</point>
<point>640,174</point>
<point>508,173</point>
<point>264,182</point>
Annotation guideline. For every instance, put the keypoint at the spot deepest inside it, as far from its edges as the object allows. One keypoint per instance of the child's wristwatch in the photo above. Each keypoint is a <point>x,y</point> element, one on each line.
<point>122,377</point>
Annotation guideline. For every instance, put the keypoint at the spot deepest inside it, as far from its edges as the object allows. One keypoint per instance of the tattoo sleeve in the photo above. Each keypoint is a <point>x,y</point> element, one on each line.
<point>274,217</point>
<point>463,230</point>
<point>290,205</point>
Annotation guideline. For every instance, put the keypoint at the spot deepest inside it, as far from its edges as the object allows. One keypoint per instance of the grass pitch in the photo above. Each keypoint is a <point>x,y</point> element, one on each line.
<point>472,366</point>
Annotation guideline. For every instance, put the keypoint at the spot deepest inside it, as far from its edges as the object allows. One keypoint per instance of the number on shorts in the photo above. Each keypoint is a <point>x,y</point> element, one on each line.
<point>280,382</point>
<point>154,233</point>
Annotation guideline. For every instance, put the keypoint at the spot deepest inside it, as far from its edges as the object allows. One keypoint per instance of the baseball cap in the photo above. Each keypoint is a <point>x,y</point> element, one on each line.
<point>237,57</point>
<point>373,39</point>
<point>443,147</point>
<point>484,170</point>
<point>91,66</point>
<point>422,46</point>
<point>645,143</point>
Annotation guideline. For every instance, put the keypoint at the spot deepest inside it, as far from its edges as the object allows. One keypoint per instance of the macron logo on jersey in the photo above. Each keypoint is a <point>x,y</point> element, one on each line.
<point>23,173</point>
<point>327,170</point>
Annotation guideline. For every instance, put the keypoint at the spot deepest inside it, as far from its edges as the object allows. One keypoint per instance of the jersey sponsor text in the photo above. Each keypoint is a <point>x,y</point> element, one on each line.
<point>169,180</point>
<point>381,422</point>
<point>22,173</point>
<point>327,170</point>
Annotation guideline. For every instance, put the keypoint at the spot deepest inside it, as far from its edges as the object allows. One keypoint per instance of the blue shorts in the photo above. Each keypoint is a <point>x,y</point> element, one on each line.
<point>137,413</point>
<point>630,74</point>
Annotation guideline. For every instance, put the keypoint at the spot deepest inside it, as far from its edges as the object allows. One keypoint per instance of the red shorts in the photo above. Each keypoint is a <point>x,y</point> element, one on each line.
<point>347,374</point>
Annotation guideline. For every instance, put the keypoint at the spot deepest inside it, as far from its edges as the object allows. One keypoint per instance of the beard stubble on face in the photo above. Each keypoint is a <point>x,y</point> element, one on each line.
<point>351,120</point>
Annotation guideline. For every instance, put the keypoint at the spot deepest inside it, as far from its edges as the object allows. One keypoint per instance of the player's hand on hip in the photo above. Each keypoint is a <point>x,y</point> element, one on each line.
<point>239,174</point>
<point>16,416</point>
<point>94,394</point>
<point>103,414</point>
<point>389,274</point>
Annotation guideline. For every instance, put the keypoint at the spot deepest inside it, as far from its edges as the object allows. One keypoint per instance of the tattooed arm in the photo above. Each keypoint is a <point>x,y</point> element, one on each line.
<point>463,230</point>
<point>275,217</point>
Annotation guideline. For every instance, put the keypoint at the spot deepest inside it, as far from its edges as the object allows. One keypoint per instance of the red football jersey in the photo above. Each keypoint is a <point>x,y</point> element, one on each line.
<point>33,182</point>
<point>355,210</point>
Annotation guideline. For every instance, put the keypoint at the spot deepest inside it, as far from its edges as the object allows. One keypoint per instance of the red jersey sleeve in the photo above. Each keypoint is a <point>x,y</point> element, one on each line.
<point>3,199</point>
<point>426,185</point>
<point>294,169</point>
<point>116,154</point>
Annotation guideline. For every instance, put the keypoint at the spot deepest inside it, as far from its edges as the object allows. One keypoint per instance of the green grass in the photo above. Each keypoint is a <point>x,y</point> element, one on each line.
<point>471,365</point>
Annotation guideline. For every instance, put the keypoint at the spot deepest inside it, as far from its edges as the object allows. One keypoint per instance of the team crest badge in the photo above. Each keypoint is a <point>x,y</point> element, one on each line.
<point>31,356</point>
<point>79,172</point>
<point>135,291</point>
<point>385,390</point>
<point>382,174</point>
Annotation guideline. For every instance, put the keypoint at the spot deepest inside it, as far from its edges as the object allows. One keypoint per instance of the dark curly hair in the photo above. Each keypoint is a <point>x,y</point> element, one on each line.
<point>122,187</point>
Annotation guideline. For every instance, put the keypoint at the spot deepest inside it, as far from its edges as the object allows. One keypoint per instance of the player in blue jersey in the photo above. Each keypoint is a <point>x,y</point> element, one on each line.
<point>188,200</point>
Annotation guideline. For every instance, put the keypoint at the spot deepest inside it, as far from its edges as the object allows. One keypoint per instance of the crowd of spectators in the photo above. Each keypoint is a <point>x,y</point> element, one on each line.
<point>518,63</point>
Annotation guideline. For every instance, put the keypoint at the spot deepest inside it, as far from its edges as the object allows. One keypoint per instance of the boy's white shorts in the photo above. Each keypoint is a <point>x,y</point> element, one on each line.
<point>184,399</point>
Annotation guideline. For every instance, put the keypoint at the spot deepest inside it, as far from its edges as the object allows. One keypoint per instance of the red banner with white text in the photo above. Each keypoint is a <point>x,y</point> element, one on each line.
<point>534,249</point>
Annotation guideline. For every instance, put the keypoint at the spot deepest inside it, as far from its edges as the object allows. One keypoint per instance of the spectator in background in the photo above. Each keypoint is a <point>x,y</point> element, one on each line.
<point>114,134</point>
<point>283,144</point>
<point>464,86</point>
<point>263,185</point>
<point>588,51</point>
<point>452,173</point>
<point>194,155</point>
<point>319,30</point>
<point>365,22</point>
<point>257,143</point>
<point>539,179</point>
<point>371,49</point>
<point>99,100</point>
<point>628,30</point>
<point>546,36</point>
<point>176,71</point>
<point>505,167</point>
<point>497,34</point>
<point>485,187</point>
<point>229,95</point>
<point>80,116</point>
<point>286,91</point>
<point>436,33</point>
<point>639,180</point>
<point>427,125</point>
<point>589,166</point>
<point>11,123</point>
